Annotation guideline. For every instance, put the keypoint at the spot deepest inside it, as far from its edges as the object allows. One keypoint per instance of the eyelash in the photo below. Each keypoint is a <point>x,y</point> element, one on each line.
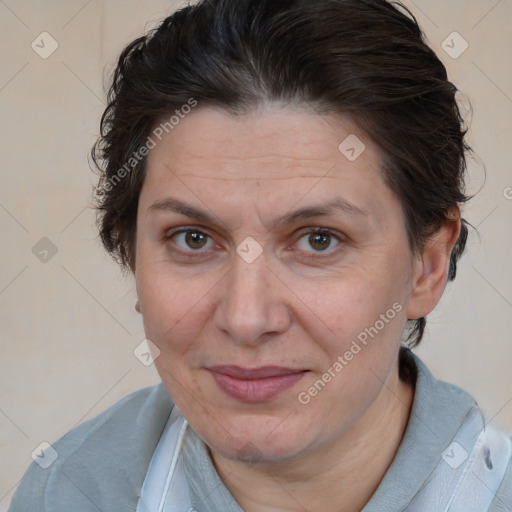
<point>313,255</point>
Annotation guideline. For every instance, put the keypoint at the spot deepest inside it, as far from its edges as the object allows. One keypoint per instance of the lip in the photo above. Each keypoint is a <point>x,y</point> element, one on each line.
<point>255,384</point>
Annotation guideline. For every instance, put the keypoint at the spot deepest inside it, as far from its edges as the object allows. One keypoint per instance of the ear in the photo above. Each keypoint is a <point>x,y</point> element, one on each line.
<point>430,268</point>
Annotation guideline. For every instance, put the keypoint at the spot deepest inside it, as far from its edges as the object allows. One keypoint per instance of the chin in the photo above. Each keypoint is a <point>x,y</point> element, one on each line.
<point>251,454</point>
<point>258,446</point>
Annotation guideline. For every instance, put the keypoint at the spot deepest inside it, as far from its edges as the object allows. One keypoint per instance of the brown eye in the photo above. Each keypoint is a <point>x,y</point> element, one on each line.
<point>190,239</point>
<point>318,241</point>
<point>195,239</point>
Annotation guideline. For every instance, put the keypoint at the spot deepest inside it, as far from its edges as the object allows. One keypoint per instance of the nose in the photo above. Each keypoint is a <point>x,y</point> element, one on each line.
<point>253,305</point>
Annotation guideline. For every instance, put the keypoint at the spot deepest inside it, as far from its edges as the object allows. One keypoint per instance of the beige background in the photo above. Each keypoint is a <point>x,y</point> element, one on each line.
<point>68,325</point>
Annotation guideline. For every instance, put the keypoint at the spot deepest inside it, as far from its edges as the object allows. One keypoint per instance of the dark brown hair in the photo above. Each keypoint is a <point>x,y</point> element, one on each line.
<point>366,58</point>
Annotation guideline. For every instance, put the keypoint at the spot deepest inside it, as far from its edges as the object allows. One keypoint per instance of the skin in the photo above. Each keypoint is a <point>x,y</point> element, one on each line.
<point>286,308</point>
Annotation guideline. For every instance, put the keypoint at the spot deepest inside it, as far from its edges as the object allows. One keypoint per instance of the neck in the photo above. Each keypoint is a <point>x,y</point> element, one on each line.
<point>342,477</point>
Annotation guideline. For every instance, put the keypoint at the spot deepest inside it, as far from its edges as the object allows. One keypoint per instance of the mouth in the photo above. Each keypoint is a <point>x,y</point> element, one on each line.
<point>255,384</point>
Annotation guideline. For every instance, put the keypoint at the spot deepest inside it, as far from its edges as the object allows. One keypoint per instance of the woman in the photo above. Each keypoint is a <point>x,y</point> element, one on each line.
<point>284,180</point>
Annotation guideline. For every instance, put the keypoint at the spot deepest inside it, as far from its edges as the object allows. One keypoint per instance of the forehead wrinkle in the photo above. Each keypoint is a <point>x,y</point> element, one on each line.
<point>259,178</point>
<point>234,176</point>
<point>280,161</point>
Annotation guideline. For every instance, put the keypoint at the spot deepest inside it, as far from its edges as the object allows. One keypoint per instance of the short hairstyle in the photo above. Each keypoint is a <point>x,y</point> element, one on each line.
<point>365,58</point>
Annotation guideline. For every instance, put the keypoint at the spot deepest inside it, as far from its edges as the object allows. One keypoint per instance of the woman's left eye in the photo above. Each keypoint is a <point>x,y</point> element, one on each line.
<point>320,240</point>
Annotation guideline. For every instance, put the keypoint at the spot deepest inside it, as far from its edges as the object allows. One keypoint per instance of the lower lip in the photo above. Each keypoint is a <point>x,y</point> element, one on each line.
<point>255,390</point>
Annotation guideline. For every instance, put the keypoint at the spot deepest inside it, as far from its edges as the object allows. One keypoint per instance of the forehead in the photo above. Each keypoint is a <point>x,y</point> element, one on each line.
<point>266,140</point>
<point>276,154</point>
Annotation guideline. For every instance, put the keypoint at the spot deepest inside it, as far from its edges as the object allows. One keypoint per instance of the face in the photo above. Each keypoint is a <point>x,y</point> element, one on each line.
<point>273,272</point>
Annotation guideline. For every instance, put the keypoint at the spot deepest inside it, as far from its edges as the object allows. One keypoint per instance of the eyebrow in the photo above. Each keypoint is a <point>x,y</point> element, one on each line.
<point>337,205</point>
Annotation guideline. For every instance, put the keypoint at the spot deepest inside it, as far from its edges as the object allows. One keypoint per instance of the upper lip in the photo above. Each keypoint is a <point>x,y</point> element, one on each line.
<point>263,372</point>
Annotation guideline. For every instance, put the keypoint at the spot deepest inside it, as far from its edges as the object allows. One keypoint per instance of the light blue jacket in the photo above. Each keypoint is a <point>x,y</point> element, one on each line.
<point>102,463</point>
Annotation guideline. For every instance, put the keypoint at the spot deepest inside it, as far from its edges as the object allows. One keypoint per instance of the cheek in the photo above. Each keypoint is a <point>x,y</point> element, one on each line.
<point>358,324</point>
<point>343,306</point>
<point>174,316</point>
<point>173,308</point>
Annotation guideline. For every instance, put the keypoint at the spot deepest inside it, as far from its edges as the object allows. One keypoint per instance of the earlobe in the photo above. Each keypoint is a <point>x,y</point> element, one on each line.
<point>430,269</point>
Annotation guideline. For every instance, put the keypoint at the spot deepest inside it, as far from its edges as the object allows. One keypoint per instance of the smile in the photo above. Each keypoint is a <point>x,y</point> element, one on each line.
<point>255,385</point>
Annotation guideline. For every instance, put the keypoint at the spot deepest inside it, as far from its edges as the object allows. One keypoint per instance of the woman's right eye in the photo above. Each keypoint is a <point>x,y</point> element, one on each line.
<point>190,240</point>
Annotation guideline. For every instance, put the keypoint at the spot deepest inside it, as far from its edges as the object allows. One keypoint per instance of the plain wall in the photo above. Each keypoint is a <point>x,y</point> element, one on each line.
<point>69,326</point>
